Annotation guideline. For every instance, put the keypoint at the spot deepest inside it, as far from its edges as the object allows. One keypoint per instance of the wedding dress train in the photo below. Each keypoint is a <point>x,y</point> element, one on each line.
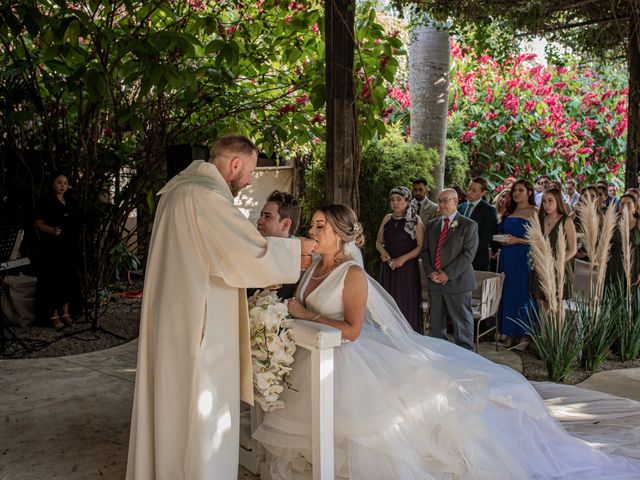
<point>411,407</point>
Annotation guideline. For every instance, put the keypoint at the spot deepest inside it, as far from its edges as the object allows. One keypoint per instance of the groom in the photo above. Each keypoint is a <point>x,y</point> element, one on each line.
<point>451,242</point>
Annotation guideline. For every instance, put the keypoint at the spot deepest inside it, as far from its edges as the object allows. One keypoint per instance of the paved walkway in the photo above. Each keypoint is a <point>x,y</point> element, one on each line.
<point>68,417</point>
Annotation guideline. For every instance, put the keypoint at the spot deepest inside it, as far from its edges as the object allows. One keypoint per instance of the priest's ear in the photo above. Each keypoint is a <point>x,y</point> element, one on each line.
<point>235,164</point>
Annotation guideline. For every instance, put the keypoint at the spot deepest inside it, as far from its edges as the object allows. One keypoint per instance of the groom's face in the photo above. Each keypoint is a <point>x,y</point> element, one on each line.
<point>270,225</point>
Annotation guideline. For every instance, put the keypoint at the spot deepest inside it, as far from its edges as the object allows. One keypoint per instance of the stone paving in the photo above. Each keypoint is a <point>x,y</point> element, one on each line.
<point>68,417</point>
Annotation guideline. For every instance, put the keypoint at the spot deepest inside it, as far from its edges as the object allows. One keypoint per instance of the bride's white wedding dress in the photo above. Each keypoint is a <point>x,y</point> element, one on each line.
<point>410,407</point>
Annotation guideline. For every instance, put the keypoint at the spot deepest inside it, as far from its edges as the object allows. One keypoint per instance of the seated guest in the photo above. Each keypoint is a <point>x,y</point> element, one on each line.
<point>484,214</point>
<point>279,217</point>
<point>400,239</point>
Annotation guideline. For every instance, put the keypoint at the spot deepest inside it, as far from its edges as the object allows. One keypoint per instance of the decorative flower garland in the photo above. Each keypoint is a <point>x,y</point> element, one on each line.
<point>272,348</point>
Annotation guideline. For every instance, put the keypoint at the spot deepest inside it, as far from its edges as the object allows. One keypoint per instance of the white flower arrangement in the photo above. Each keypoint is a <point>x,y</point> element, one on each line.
<point>272,348</point>
<point>454,224</point>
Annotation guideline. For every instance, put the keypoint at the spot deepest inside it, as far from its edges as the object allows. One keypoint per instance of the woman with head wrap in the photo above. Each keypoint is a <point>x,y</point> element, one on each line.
<point>399,242</point>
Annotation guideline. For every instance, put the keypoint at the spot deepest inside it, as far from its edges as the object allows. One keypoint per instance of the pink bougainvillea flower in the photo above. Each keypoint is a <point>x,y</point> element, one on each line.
<point>467,136</point>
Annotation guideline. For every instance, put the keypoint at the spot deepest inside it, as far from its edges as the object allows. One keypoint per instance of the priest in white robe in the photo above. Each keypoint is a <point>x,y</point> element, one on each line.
<point>194,352</point>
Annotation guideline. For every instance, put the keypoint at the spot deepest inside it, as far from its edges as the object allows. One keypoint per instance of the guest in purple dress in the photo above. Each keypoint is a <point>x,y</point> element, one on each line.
<point>399,242</point>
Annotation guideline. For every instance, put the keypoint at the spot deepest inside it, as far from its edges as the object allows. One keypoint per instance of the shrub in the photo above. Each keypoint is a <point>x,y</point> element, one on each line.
<point>385,164</point>
<point>456,168</point>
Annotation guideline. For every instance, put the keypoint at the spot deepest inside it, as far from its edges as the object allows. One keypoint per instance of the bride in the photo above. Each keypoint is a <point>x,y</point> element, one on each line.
<point>412,407</point>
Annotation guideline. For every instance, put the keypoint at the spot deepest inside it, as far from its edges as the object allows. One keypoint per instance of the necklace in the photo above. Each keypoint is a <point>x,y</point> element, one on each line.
<point>550,222</point>
<point>320,277</point>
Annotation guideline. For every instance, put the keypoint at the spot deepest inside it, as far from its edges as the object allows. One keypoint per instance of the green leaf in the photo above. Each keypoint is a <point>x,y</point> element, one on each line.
<point>293,55</point>
<point>96,84</point>
<point>59,67</point>
<point>72,32</point>
<point>317,96</point>
<point>231,53</point>
<point>10,20</point>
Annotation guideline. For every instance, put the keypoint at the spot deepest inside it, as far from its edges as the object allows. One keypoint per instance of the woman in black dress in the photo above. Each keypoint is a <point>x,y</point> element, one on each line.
<point>56,254</point>
<point>400,239</point>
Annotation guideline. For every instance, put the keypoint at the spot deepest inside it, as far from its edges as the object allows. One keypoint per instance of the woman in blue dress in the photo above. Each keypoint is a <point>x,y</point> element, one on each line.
<point>514,262</point>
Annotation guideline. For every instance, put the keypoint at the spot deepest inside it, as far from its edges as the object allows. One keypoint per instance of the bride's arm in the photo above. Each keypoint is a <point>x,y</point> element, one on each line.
<point>354,297</point>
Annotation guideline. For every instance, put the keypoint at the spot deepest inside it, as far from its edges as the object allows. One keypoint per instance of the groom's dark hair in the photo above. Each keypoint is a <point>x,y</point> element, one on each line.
<point>288,207</point>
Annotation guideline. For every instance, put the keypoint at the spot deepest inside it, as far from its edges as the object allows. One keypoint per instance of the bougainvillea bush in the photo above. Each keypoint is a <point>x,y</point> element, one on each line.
<point>519,117</point>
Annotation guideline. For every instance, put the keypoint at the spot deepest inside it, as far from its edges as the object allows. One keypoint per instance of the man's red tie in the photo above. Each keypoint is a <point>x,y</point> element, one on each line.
<point>443,235</point>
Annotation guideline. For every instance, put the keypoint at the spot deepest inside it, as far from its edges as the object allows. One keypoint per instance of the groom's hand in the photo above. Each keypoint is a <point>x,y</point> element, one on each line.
<point>306,247</point>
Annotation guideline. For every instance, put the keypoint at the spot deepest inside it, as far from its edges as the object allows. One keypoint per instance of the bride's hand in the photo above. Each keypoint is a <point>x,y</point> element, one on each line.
<point>296,309</point>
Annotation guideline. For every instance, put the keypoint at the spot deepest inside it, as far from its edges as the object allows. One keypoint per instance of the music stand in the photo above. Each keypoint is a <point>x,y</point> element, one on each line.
<point>10,240</point>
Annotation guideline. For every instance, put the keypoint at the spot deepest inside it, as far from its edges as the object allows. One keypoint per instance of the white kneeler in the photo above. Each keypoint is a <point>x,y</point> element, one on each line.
<point>320,340</point>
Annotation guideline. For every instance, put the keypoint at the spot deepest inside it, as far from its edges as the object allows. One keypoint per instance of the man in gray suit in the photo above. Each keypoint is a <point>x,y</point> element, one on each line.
<point>426,208</point>
<point>451,242</point>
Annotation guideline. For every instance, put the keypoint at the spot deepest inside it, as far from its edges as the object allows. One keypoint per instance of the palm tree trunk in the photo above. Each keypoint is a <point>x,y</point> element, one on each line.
<point>429,83</point>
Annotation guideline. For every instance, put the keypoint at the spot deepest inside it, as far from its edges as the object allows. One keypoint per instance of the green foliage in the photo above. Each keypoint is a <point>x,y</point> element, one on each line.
<point>594,28</point>
<point>517,117</point>
<point>627,321</point>
<point>99,89</point>
<point>385,164</point>
<point>123,258</point>
<point>456,169</point>
<point>558,342</point>
<point>598,330</point>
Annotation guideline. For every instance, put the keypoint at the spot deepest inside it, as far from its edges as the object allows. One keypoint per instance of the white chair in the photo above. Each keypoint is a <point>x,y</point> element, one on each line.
<point>485,301</point>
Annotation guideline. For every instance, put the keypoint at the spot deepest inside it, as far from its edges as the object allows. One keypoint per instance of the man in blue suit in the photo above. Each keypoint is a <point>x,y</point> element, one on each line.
<point>484,214</point>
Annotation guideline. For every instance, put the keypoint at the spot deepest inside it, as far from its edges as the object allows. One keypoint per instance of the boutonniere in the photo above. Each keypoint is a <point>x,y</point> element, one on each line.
<point>454,224</point>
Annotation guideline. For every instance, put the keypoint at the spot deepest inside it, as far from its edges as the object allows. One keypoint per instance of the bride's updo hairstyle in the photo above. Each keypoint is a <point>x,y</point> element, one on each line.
<point>345,223</point>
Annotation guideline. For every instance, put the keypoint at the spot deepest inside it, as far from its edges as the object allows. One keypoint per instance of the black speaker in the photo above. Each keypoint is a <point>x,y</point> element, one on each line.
<point>180,156</point>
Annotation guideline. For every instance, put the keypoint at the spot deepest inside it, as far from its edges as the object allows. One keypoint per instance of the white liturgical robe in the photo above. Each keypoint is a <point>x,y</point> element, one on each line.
<point>194,329</point>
